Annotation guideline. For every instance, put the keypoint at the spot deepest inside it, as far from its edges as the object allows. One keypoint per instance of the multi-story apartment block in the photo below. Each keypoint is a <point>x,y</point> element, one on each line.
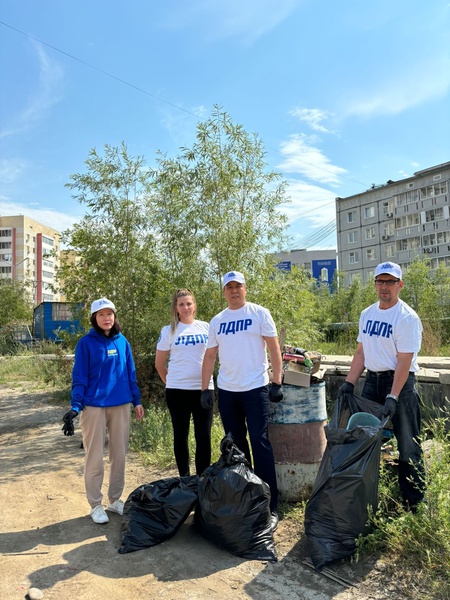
<point>396,221</point>
<point>26,254</point>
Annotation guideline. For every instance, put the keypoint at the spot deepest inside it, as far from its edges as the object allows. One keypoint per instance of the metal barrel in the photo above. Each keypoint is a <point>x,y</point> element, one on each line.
<point>297,435</point>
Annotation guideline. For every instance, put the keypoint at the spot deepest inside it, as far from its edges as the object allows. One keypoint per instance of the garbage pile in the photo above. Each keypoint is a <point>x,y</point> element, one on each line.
<point>300,366</point>
<point>232,508</point>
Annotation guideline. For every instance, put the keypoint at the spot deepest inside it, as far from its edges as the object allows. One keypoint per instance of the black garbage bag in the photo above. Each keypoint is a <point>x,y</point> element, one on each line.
<point>346,485</point>
<point>233,509</point>
<point>154,512</point>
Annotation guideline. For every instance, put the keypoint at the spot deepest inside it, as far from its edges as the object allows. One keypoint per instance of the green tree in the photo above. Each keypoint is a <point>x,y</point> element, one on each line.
<point>114,243</point>
<point>217,206</point>
<point>15,302</point>
<point>427,290</point>
<point>16,311</point>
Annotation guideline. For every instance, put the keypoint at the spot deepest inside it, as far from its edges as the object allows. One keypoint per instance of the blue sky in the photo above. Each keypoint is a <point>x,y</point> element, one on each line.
<point>344,94</point>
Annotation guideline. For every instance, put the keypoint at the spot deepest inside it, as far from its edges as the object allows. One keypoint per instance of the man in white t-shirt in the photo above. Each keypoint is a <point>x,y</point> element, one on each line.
<point>390,335</point>
<point>241,335</point>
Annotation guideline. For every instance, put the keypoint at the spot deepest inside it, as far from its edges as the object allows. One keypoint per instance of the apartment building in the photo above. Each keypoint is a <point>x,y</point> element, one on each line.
<point>26,254</point>
<point>396,221</point>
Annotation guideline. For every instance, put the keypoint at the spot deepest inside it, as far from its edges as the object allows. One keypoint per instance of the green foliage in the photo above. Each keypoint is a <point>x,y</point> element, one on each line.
<point>153,438</point>
<point>420,541</point>
<point>223,211</point>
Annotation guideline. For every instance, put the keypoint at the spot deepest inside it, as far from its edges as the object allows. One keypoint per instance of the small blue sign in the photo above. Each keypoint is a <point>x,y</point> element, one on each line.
<point>284,265</point>
<point>323,271</point>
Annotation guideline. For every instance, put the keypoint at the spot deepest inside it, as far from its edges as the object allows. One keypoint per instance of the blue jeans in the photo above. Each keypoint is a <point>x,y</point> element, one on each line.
<point>406,423</point>
<point>249,411</point>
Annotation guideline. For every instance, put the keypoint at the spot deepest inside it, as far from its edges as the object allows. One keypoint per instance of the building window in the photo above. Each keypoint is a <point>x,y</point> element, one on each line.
<point>371,254</point>
<point>62,312</point>
<point>353,258</point>
<point>5,245</point>
<point>434,214</point>
<point>407,221</point>
<point>350,217</point>
<point>369,212</point>
<point>5,270</point>
<point>390,251</point>
<point>352,237</point>
<point>370,233</point>
<point>5,232</point>
<point>46,240</point>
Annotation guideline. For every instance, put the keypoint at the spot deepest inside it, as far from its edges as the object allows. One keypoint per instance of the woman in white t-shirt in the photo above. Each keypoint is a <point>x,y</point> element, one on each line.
<point>179,358</point>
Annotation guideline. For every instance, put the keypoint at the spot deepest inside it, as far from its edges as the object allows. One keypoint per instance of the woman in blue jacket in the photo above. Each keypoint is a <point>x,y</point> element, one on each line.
<point>103,386</point>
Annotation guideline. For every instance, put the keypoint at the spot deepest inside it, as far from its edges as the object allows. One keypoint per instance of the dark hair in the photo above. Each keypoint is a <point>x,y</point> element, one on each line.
<point>115,329</point>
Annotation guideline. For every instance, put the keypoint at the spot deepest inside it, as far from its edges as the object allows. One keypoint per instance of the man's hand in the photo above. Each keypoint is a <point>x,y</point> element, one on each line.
<point>346,388</point>
<point>275,393</point>
<point>68,418</point>
<point>207,399</point>
<point>390,406</point>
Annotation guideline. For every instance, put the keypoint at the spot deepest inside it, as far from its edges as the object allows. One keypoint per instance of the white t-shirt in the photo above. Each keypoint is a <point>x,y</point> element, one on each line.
<point>384,333</point>
<point>242,350</point>
<point>187,349</point>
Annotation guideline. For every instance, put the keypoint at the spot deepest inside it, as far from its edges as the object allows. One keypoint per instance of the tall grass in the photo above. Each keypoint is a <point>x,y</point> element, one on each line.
<point>417,544</point>
<point>153,438</point>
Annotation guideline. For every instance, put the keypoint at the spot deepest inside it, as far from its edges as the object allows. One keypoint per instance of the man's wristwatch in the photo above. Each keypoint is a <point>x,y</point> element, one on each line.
<point>393,396</point>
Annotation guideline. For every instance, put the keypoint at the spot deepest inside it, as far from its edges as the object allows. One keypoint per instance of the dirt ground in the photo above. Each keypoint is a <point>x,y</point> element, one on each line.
<point>49,542</point>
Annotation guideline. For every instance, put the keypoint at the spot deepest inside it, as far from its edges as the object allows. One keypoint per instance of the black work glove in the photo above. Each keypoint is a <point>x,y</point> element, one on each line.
<point>390,405</point>
<point>207,399</point>
<point>68,418</point>
<point>346,388</point>
<point>275,393</point>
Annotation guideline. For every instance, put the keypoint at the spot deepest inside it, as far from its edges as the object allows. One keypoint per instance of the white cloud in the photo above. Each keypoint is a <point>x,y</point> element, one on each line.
<point>46,96</point>
<point>52,218</point>
<point>423,82</point>
<point>247,20</point>
<point>11,169</point>
<point>309,202</point>
<point>312,117</point>
<point>301,156</point>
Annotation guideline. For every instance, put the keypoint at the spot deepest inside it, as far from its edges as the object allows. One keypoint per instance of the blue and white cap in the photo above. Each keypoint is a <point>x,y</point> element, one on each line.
<point>102,303</point>
<point>233,276</point>
<point>389,268</point>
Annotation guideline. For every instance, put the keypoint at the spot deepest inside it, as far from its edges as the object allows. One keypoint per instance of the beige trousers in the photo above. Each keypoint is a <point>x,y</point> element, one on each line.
<point>94,423</point>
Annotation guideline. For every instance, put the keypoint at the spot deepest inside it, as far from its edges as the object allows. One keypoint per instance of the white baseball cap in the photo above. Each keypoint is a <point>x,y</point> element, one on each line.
<point>389,268</point>
<point>233,276</point>
<point>102,303</point>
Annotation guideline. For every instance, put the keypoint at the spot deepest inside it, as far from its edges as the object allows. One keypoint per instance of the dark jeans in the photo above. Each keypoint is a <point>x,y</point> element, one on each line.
<point>407,424</point>
<point>242,411</point>
<point>182,404</point>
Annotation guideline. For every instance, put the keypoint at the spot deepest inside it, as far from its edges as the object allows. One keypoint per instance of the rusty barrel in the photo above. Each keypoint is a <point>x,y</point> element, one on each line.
<point>297,435</point>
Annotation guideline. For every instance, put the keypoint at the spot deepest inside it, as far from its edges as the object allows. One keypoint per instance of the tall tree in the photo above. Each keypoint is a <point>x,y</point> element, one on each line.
<point>217,206</point>
<point>114,245</point>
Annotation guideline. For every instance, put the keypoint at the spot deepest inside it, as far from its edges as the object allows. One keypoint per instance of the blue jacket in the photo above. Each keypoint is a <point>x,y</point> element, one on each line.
<point>103,373</point>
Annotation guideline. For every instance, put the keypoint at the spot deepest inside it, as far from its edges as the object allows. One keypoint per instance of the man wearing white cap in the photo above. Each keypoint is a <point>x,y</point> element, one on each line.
<point>390,335</point>
<point>241,335</point>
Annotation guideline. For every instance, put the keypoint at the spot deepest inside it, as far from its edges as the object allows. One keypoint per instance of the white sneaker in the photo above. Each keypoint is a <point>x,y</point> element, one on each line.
<point>116,506</point>
<point>98,514</point>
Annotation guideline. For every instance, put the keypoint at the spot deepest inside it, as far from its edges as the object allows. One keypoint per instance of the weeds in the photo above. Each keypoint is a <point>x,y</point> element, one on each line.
<point>420,541</point>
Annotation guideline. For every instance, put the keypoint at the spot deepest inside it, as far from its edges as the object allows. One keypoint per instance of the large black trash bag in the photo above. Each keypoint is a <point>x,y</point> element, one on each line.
<point>233,509</point>
<point>155,511</point>
<point>346,484</point>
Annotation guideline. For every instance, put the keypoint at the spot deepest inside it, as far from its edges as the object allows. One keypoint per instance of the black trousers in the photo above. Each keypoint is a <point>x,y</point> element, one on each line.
<point>183,404</point>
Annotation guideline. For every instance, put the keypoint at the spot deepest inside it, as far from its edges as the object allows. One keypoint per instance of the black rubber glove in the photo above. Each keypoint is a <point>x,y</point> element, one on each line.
<point>68,418</point>
<point>207,399</point>
<point>346,388</point>
<point>389,408</point>
<point>275,393</point>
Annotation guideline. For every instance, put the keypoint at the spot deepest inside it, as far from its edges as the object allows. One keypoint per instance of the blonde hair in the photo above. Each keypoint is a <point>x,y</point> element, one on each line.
<point>175,317</point>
